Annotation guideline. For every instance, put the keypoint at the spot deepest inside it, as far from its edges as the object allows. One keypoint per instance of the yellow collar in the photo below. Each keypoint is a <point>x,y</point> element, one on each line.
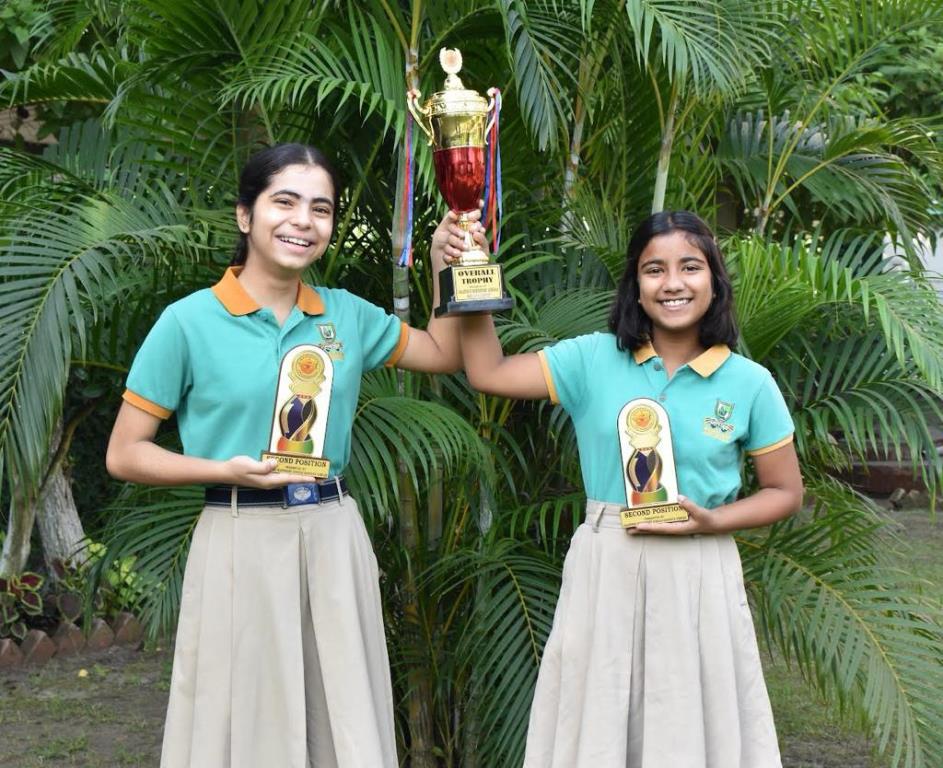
<point>233,296</point>
<point>704,364</point>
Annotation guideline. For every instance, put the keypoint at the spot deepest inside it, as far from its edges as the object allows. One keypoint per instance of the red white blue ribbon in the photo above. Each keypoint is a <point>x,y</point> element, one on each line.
<point>406,197</point>
<point>494,210</point>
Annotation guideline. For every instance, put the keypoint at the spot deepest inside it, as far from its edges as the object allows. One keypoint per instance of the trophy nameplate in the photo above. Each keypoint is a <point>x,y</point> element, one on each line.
<point>648,465</point>
<point>299,421</point>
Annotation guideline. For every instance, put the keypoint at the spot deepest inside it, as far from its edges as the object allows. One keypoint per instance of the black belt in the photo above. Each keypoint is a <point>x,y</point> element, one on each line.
<point>291,495</point>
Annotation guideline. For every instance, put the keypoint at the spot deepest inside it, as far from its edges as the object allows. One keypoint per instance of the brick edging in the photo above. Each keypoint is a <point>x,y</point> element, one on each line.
<point>67,639</point>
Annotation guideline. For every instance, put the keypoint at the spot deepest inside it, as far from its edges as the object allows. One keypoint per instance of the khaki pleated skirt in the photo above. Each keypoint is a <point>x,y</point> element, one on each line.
<point>652,660</point>
<point>280,658</point>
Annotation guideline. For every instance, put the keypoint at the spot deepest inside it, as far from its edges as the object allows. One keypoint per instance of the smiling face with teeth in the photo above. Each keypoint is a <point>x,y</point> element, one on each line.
<point>675,285</point>
<point>291,221</point>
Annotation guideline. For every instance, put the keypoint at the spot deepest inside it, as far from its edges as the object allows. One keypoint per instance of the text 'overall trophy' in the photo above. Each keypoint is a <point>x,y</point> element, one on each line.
<point>456,121</point>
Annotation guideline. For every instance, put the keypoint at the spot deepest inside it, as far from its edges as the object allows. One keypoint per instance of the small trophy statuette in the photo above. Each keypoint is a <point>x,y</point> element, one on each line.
<point>456,121</point>
<point>651,483</point>
<point>302,400</point>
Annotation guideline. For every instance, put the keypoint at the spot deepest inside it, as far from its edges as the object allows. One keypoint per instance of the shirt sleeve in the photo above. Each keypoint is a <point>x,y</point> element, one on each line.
<point>771,425</point>
<point>567,365</point>
<point>383,336</point>
<point>159,375</point>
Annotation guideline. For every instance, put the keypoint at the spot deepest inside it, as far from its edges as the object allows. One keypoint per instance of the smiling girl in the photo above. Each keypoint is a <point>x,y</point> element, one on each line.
<point>280,656</point>
<point>652,660</point>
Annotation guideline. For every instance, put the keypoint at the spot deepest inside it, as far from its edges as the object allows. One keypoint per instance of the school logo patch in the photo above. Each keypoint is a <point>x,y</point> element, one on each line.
<point>718,426</point>
<point>329,341</point>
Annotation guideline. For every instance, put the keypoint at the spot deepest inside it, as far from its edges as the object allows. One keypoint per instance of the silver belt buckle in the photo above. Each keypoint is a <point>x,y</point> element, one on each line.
<point>297,494</point>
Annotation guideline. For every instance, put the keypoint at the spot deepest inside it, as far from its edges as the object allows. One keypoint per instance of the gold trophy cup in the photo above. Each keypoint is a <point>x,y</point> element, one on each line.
<point>456,121</point>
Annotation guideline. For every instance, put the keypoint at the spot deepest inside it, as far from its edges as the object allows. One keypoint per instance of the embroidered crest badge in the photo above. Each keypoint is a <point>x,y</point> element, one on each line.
<point>329,341</point>
<point>718,426</point>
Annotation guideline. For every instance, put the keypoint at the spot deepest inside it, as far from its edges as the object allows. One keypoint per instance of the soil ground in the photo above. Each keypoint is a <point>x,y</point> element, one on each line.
<point>106,710</point>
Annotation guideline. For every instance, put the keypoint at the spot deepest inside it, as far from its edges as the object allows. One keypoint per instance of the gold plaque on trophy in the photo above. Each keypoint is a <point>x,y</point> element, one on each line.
<point>651,482</point>
<point>302,402</point>
<point>477,283</point>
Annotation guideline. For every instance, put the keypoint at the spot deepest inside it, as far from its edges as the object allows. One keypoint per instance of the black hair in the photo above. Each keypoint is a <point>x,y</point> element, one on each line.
<point>257,175</point>
<point>628,321</point>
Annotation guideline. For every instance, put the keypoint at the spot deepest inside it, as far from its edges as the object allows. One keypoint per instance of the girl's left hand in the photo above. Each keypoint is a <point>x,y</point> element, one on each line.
<point>448,240</point>
<point>700,520</point>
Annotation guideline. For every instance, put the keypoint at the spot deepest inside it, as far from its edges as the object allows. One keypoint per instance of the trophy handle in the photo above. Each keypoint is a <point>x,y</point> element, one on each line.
<point>420,115</point>
<point>491,111</point>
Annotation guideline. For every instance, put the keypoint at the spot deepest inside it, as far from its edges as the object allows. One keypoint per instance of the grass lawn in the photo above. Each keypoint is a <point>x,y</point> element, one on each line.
<point>107,711</point>
<point>101,711</point>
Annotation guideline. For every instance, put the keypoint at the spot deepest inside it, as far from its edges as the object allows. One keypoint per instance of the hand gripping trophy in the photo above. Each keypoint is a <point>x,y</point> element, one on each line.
<point>456,121</point>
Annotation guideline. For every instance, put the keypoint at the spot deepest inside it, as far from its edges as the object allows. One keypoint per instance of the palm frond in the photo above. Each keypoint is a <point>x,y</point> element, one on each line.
<point>827,597</point>
<point>389,428</point>
<point>57,270</point>
<point>856,388</point>
<point>563,316</point>
<point>539,41</point>
<point>513,591</point>
<point>154,526</point>
<point>780,288</point>
<point>87,159</point>
<point>839,37</point>
<point>329,66</point>
<point>69,22</point>
<point>554,520</point>
<point>714,43</point>
<point>76,77</point>
<point>598,230</point>
<point>854,169</point>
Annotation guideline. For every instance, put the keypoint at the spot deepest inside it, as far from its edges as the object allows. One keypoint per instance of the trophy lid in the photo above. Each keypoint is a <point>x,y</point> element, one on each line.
<point>455,98</point>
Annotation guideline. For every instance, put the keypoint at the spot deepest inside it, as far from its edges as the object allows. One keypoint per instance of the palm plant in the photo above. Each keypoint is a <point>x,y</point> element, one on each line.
<point>131,209</point>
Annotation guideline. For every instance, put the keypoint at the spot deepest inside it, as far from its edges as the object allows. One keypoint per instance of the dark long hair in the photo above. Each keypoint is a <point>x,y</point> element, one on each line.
<point>628,321</point>
<point>257,175</point>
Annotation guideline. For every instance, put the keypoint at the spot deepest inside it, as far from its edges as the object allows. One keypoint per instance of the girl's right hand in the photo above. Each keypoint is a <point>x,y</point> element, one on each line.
<point>448,240</point>
<point>246,471</point>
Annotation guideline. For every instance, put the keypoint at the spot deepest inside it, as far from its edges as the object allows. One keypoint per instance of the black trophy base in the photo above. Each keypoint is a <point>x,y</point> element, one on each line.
<point>472,290</point>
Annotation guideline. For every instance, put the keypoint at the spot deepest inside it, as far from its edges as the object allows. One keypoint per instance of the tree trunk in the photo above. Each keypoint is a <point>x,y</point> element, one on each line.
<point>60,528</point>
<point>590,64</point>
<point>16,545</point>
<point>576,146</point>
<point>419,686</point>
<point>664,156</point>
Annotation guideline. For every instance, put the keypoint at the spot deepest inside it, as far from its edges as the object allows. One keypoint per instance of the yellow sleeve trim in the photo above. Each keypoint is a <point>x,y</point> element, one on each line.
<point>146,405</point>
<point>771,448</point>
<point>397,353</point>
<point>548,377</point>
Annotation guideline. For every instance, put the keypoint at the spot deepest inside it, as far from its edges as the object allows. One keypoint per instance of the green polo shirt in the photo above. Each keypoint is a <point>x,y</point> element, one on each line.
<point>214,356</point>
<point>720,406</point>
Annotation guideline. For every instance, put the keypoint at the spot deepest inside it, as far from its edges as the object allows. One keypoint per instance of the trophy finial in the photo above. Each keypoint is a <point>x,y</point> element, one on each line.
<point>450,60</point>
